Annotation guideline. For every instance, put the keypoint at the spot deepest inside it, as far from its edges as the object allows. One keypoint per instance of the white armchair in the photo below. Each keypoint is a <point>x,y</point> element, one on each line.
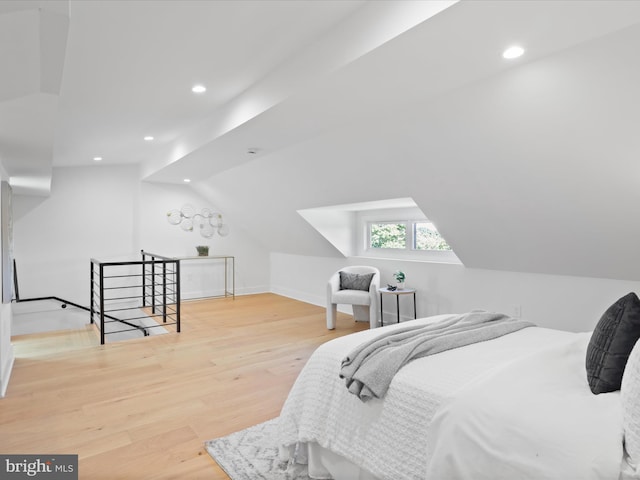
<point>364,303</point>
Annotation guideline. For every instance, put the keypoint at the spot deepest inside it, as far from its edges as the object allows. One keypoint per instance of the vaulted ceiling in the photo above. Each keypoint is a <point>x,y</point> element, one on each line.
<point>527,165</point>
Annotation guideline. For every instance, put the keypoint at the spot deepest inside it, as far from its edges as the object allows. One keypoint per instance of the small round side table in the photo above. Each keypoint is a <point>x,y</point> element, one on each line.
<point>397,293</point>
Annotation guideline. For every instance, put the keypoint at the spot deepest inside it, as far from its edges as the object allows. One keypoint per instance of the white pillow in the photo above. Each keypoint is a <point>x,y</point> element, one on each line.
<point>630,399</point>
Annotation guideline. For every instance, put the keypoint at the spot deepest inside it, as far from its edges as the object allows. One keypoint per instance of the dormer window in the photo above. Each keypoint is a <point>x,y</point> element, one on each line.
<point>400,231</point>
<point>392,229</point>
<point>387,235</point>
<point>405,235</point>
<point>427,237</point>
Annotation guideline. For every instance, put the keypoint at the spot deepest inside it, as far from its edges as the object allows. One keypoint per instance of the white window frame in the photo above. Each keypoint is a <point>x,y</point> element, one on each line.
<point>407,242</point>
<point>406,216</point>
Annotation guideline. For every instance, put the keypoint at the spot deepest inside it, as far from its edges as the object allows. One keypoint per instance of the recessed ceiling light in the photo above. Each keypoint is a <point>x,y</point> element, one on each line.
<point>148,138</point>
<point>187,180</point>
<point>97,159</point>
<point>513,52</point>
<point>199,89</point>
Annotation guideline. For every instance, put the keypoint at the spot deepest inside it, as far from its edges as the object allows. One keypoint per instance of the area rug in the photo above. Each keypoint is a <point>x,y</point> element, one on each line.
<point>252,454</point>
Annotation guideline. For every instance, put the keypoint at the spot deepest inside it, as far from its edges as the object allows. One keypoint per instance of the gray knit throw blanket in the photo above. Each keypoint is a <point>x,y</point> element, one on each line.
<point>370,367</point>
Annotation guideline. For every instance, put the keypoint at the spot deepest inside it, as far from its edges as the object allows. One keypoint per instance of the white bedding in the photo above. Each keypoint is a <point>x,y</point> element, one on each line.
<point>537,416</point>
<point>407,435</point>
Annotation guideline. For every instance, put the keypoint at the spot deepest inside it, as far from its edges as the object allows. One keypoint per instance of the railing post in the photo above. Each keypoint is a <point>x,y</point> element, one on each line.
<point>153,285</point>
<point>16,290</point>
<point>91,286</point>
<point>144,280</point>
<point>101,304</point>
<point>164,291</point>
<point>177,287</point>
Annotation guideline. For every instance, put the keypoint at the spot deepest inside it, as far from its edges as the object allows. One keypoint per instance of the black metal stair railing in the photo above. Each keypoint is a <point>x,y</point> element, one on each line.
<point>124,294</point>
<point>17,299</point>
<point>154,291</point>
<point>62,301</point>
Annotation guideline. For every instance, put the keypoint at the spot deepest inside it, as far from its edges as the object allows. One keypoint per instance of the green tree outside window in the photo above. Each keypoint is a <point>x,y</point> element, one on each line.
<point>426,237</point>
<point>388,235</point>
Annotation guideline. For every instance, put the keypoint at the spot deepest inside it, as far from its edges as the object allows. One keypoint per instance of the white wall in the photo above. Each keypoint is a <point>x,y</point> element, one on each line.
<point>89,214</point>
<point>105,212</point>
<point>200,277</point>
<point>562,302</point>
<point>6,348</point>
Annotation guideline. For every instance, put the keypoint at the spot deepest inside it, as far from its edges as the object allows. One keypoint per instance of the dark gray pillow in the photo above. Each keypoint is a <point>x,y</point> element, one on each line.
<point>611,343</point>
<point>355,281</point>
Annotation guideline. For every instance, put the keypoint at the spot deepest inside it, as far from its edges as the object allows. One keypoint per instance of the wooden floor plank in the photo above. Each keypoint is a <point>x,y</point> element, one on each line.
<point>144,408</point>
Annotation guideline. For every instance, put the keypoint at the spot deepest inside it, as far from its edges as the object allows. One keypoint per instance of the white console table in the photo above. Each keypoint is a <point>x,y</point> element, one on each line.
<point>229,269</point>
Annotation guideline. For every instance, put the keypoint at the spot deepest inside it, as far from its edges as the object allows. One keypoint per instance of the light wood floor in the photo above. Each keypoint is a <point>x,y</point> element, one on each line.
<point>143,408</point>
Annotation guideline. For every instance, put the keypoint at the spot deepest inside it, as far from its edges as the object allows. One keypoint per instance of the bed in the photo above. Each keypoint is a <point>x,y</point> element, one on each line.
<point>514,407</point>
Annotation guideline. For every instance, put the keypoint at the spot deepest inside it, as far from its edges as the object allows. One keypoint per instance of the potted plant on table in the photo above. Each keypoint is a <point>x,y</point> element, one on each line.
<point>203,250</point>
<point>399,276</point>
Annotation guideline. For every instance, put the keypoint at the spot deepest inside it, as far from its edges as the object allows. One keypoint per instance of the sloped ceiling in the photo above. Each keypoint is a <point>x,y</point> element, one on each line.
<point>33,36</point>
<point>529,165</point>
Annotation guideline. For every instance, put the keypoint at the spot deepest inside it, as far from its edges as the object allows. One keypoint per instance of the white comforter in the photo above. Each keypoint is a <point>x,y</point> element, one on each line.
<point>452,416</point>
<point>536,416</point>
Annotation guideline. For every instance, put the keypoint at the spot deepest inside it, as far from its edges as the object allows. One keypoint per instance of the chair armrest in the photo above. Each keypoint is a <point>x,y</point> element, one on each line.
<point>374,286</point>
<point>334,283</point>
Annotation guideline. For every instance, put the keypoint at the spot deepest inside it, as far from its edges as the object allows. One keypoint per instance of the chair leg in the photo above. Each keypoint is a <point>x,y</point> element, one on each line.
<point>332,312</point>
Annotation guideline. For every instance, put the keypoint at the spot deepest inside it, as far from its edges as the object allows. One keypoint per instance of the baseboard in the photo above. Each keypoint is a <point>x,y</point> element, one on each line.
<point>320,301</point>
<point>6,372</point>
<point>299,295</point>
<point>253,290</point>
<point>199,294</point>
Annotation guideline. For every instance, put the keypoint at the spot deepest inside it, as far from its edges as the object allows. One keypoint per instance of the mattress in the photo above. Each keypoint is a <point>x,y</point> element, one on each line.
<point>407,435</point>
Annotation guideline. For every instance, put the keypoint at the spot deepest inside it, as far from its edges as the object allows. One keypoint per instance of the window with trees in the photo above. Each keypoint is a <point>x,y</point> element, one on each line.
<point>394,229</point>
<point>427,237</point>
<point>406,235</point>
<point>387,235</point>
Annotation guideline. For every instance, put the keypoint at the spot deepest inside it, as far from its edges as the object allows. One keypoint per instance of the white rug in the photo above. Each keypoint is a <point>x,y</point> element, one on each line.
<point>252,454</point>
